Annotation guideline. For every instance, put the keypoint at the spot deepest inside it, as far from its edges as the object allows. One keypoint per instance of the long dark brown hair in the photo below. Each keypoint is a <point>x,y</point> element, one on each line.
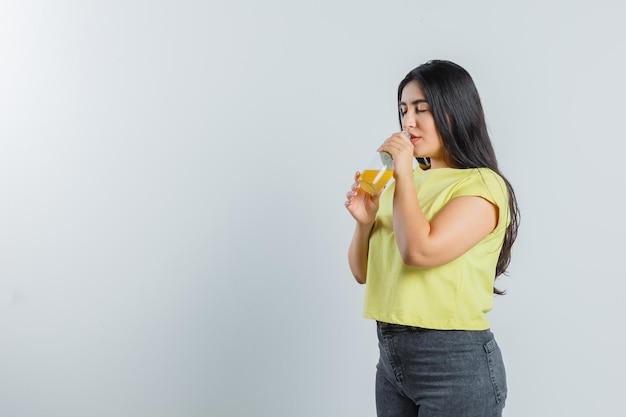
<point>458,113</point>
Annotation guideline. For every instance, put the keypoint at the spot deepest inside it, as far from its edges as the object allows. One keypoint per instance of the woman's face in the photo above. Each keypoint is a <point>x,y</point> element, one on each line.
<point>420,123</point>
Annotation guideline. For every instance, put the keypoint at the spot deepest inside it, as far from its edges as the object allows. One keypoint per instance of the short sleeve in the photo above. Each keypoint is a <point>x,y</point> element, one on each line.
<point>486,184</point>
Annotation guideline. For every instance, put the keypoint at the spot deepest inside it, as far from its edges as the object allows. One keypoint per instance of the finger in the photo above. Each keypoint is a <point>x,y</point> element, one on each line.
<point>403,135</point>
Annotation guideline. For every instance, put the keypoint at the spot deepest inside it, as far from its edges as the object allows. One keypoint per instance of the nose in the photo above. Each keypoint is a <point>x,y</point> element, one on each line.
<point>409,120</point>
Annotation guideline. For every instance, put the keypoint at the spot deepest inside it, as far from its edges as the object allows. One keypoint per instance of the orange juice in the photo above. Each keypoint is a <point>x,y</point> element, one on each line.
<point>373,181</point>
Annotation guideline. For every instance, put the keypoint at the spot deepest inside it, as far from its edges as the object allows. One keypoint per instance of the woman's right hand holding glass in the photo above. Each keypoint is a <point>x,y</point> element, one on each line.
<point>361,205</point>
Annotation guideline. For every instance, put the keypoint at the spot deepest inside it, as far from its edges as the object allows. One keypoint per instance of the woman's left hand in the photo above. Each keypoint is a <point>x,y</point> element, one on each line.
<point>401,150</point>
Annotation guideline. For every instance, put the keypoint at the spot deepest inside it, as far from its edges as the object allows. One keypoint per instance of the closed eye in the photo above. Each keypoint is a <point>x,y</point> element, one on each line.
<point>421,106</point>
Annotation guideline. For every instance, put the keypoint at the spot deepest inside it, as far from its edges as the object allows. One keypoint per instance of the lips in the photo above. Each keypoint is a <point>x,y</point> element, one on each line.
<point>414,138</point>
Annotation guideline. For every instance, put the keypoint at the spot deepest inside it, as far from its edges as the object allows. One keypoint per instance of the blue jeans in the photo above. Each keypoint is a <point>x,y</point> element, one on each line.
<point>438,373</point>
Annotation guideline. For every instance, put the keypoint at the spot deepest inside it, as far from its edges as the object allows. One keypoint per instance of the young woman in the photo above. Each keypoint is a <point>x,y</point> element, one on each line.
<point>429,248</point>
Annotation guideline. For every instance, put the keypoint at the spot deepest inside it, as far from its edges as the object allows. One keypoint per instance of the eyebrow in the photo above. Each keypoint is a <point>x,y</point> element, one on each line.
<point>421,100</point>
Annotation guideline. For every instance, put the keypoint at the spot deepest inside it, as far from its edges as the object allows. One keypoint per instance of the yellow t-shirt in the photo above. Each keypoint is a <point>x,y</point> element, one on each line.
<point>454,296</point>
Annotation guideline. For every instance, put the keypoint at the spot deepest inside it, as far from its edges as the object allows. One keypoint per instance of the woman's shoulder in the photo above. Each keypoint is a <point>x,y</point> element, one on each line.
<point>467,174</point>
<point>482,181</point>
<point>485,177</point>
<point>488,175</point>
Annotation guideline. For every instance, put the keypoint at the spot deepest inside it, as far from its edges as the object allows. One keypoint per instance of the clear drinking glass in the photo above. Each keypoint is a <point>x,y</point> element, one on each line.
<point>377,173</point>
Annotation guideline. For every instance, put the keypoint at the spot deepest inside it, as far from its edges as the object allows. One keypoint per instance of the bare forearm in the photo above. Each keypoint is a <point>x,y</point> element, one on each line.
<point>358,252</point>
<point>410,226</point>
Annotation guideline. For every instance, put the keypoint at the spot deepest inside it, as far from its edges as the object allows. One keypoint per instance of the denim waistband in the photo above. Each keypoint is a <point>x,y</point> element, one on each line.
<point>399,327</point>
<point>391,328</point>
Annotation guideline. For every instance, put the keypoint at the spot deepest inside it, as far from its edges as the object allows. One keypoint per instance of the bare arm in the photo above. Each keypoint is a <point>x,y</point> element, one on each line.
<point>358,252</point>
<point>363,208</point>
<point>460,225</point>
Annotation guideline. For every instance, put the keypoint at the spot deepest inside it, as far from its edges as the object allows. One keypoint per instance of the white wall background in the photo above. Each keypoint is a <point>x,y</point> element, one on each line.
<point>172,176</point>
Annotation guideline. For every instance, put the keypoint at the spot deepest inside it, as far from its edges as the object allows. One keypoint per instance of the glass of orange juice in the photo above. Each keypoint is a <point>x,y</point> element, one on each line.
<point>377,173</point>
